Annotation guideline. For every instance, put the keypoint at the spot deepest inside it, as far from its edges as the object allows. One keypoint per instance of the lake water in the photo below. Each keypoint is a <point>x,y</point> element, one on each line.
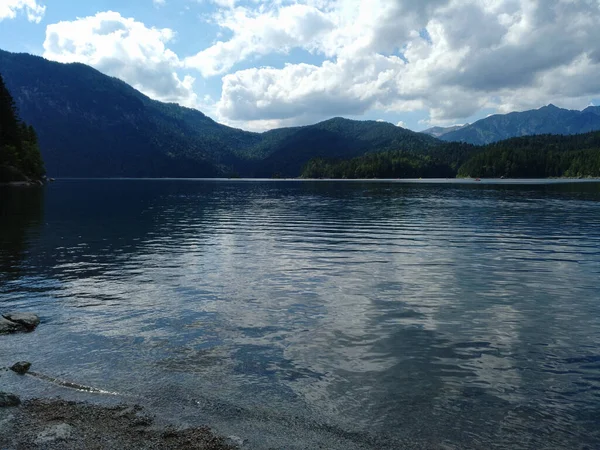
<point>300,315</point>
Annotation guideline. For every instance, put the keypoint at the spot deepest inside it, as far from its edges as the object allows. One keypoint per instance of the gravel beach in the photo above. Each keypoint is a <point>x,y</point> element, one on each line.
<point>58,424</point>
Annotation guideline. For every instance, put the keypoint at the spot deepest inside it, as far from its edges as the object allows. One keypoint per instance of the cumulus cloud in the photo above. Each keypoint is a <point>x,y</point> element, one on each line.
<point>124,48</point>
<point>34,10</point>
<point>447,58</point>
<point>256,33</point>
<point>450,58</point>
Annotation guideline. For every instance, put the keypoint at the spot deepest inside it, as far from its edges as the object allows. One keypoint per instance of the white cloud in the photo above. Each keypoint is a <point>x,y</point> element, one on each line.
<point>451,58</point>
<point>401,124</point>
<point>126,49</point>
<point>158,3</point>
<point>256,33</point>
<point>34,10</point>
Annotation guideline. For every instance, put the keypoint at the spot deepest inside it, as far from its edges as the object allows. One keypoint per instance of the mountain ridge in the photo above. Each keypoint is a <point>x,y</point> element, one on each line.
<point>548,119</point>
<point>93,125</point>
<point>90,124</point>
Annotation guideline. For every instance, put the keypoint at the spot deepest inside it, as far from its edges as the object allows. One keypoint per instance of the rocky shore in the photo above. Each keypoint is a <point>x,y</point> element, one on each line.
<point>59,424</point>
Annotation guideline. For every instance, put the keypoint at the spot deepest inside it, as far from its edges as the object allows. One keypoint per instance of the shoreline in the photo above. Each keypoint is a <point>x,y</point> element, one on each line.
<point>57,423</point>
<point>22,184</point>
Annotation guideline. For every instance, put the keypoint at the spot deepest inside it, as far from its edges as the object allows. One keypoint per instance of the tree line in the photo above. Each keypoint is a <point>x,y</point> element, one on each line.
<point>540,156</point>
<point>20,158</point>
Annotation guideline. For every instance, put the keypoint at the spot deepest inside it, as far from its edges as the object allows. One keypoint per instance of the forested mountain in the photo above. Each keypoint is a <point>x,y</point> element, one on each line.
<point>539,156</point>
<point>440,161</point>
<point>20,158</point>
<point>289,149</point>
<point>546,120</point>
<point>90,125</point>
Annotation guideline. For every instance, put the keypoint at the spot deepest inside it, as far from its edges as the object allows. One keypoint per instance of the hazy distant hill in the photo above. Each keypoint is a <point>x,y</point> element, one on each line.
<point>546,120</point>
<point>90,124</point>
<point>440,131</point>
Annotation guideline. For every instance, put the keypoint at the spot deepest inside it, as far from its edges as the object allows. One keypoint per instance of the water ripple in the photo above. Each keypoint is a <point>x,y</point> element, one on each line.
<point>368,315</point>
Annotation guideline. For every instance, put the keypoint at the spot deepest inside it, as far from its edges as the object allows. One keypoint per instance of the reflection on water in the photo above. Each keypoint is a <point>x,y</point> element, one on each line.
<point>21,212</point>
<point>299,314</point>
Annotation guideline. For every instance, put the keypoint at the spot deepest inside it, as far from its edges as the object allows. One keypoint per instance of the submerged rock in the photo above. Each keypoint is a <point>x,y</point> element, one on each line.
<point>22,367</point>
<point>28,320</point>
<point>8,400</point>
<point>7,326</point>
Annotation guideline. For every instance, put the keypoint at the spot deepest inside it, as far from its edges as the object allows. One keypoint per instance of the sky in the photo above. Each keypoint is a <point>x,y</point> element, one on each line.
<point>259,65</point>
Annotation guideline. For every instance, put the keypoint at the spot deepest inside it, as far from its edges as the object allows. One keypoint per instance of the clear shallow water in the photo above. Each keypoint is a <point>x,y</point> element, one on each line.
<point>306,314</point>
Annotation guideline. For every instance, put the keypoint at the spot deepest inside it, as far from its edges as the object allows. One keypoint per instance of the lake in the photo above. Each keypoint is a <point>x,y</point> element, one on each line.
<point>316,314</point>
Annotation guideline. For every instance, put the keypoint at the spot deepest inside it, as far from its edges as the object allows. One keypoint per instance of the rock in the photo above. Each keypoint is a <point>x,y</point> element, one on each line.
<point>7,400</point>
<point>6,326</point>
<point>22,367</point>
<point>28,320</point>
<point>236,440</point>
<point>60,432</point>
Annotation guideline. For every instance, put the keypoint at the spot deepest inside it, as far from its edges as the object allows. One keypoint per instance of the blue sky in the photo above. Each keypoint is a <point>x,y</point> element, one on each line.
<point>263,64</point>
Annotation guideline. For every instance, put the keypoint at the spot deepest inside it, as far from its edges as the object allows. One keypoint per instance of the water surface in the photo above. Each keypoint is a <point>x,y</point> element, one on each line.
<point>305,314</point>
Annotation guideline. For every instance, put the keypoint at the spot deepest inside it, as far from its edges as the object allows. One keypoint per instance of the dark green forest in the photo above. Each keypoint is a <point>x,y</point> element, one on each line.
<point>20,158</point>
<point>388,164</point>
<point>537,157</point>
<point>525,157</point>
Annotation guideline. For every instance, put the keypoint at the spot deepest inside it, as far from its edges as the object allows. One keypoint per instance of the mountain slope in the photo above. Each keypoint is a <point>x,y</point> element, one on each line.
<point>546,120</point>
<point>90,125</point>
<point>289,149</point>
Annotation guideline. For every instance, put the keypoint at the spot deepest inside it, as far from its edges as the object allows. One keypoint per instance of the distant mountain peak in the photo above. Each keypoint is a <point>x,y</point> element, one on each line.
<point>438,132</point>
<point>548,119</point>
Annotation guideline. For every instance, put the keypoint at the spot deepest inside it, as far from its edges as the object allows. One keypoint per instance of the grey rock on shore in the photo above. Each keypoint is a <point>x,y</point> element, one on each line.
<point>28,320</point>
<point>53,433</point>
<point>6,326</point>
<point>8,400</point>
<point>22,367</point>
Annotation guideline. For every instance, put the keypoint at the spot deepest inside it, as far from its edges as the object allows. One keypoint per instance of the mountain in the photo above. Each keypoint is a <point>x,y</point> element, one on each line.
<point>90,124</point>
<point>20,158</point>
<point>93,125</point>
<point>440,131</point>
<point>539,156</point>
<point>546,120</point>
<point>289,149</point>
